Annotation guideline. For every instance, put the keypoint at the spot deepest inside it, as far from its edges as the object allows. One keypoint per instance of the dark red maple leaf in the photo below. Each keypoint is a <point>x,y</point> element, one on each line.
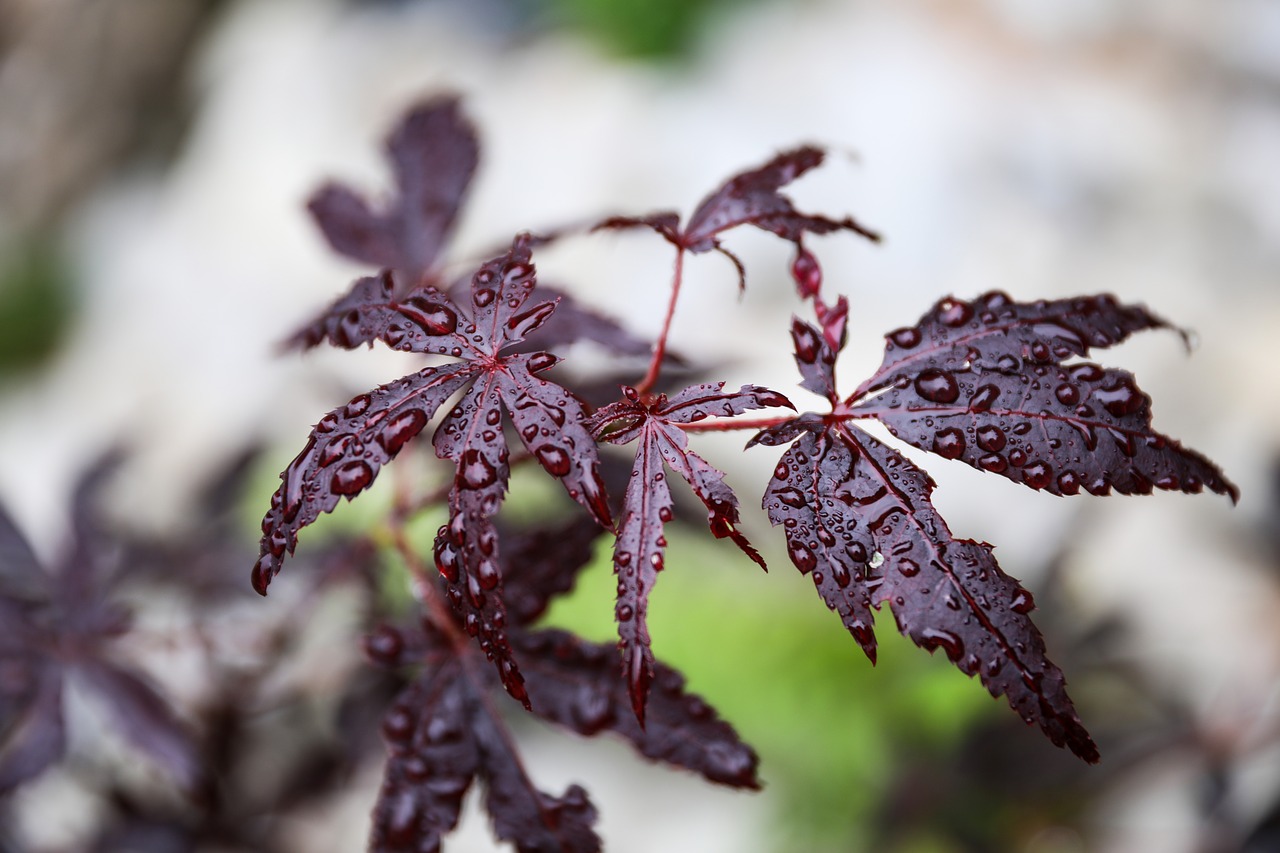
<point>640,550</point>
<point>433,153</point>
<point>986,377</point>
<point>443,732</point>
<point>348,447</point>
<point>60,626</point>
<point>751,197</point>
<point>985,382</point>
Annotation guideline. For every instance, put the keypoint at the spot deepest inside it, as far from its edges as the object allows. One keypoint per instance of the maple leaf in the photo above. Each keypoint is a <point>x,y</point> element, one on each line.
<point>751,197</point>
<point>858,516</point>
<point>442,732</point>
<point>639,553</point>
<point>986,383</point>
<point>433,153</point>
<point>59,626</point>
<point>348,446</point>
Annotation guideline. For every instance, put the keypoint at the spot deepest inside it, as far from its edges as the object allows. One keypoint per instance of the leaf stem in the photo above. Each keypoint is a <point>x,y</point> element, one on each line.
<point>727,425</point>
<point>660,345</point>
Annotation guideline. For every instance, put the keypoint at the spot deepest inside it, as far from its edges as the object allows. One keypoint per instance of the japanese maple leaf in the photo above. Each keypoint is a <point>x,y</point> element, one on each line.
<point>348,446</point>
<point>59,626</point>
<point>638,556</point>
<point>987,383</point>
<point>443,732</point>
<point>750,198</point>
<point>433,153</point>
<point>858,516</point>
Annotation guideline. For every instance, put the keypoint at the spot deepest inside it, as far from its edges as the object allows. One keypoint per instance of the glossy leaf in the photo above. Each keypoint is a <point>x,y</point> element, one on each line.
<point>640,551</point>
<point>347,448</point>
<point>433,153</point>
<point>986,383</point>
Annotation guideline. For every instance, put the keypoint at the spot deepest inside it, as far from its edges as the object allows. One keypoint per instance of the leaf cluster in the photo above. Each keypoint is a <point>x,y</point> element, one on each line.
<point>1006,387</point>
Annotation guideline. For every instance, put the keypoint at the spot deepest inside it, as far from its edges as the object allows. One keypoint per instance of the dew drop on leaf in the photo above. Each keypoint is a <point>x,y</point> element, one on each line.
<point>949,443</point>
<point>554,460</point>
<point>937,386</point>
<point>1067,394</point>
<point>483,297</point>
<point>803,558</point>
<point>991,438</point>
<point>983,397</point>
<point>994,462</point>
<point>357,407</point>
<point>351,478</point>
<point>1037,475</point>
<point>1022,602</point>
<point>905,338</point>
<point>909,568</point>
<point>806,344</point>
<point>954,312</point>
<point>932,638</point>
<point>475,470</point>
<point>401,428</point>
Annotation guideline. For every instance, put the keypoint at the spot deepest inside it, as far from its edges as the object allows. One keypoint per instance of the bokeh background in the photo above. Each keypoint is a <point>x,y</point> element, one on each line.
<point>155,156</point>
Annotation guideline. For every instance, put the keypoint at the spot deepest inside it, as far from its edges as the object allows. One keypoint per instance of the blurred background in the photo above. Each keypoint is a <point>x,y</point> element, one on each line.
<point>155,157</point>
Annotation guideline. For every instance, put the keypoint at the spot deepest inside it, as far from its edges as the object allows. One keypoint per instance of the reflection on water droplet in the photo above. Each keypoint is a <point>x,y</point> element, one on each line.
<point>483,297</point>
<point>554,460</point>
<point>908,568</point>
<point>357,407</point>
<point>932,639</point>
<point>476,471</point>
<point>1068,483</point>
<point>994,462</point>
<point>1067,394</point>
<point>905,338</point>
<point>954,312</point>
<point>937,386</point>
<point>949,443</point>
<point>402,427</point>
<point>1022,602</point>
<point>540,361</point>
<point>351,478</point>
<point>1120,397</point>
<point>1037,475</point>
<point>983,397</point>
<point>487,572</point>
<point>991,438</point>
<point>803,558</point>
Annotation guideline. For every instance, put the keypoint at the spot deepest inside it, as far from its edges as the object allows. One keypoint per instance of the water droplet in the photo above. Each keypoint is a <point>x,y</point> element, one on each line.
<point>994,462</point>
<point>1124,441</point>
<point>1037,475</point>
<point>983,397</point>
<point>840,574</point>
<point>532,318</point>
<point>954,312</point>
<point>474,593</point>
<point>932,639</point>
<point>554,460</point>
<point>1168,482</point>
<point>791,497</point>
<point>949,443</point>
<point>625,612</point>
<point>487,572</point>
<point>623,558</point>
<point>664,514</point>
<point>432,317</point>
<point>908,568</point>
<point>336,449</point>
<point>1009,364</point>
<point>397,725</point>
<point>905,338</point>
<point>357,407</point>
<point>1067,394</point>
<point>657,562</point>
<point>402,427</point>
<point>857,552</point>
<point>476,472</point>
<point>952,602</point>
<point>1086,372</point>
<point>540,361</point>
<point>782,471</point>
<point>1120,397</point>
<point>1068,483</point>
<point>801,556</point>
<point>483,297</point>
<point>351,478</point>
<point>991,438</point>
<point>937,386</point>
<point>1017,458</point>
<point>1022,602</point>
